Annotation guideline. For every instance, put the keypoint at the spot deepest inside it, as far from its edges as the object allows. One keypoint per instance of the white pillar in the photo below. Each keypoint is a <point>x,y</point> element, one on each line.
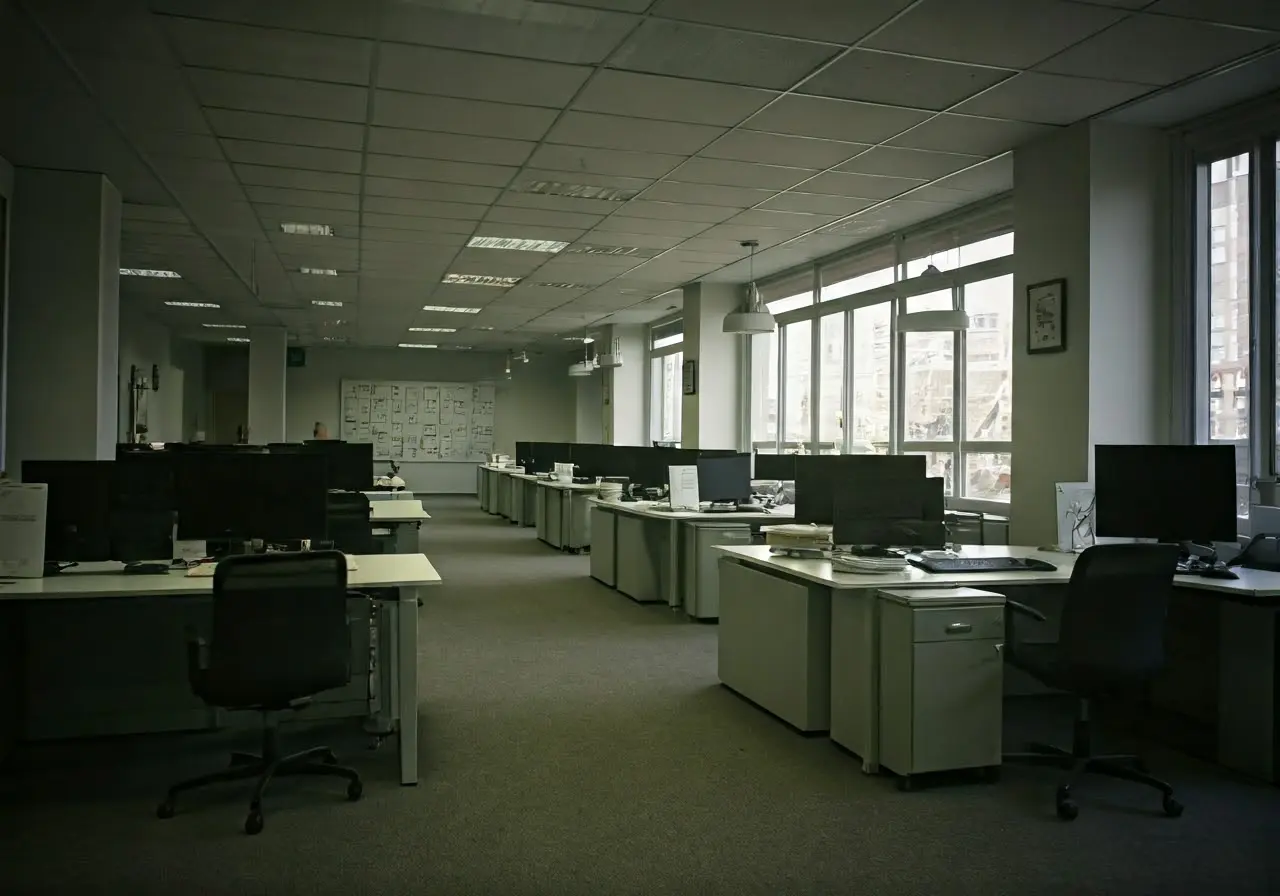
<point>1091,206</point>
<point>710,417</point>
<point>63,318</point>
<point>268,347</point>
<point>624,386</point>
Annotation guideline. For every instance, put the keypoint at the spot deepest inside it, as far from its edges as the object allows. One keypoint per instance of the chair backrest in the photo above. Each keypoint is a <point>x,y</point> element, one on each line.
<point>1113,623</point>
<point>349,526</point>
<point>280,628</point>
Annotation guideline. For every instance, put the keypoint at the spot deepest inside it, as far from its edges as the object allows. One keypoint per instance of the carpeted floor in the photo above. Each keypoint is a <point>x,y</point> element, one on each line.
<point>576,743</point>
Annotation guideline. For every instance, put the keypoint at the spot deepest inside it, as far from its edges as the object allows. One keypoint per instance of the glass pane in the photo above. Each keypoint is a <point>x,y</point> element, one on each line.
<point>928,387</point>
<point>930,301</point>
<point>939,463</point>
<point>664,341</point>
<point>797,420</point>
<point>882,277</point>
<point>831,384</point>
<point>764,390</point>
<point>871,350</point>
<point>989,360</point>
<point>672,397</point>
<point>986,476</point>
<point>791,303</point>
<point>656,383</point>
<point>971,253</point>
<point>1229,331</point>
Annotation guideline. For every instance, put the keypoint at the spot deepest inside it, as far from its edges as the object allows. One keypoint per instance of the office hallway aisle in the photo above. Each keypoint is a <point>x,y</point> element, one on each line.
<point>574,742</point>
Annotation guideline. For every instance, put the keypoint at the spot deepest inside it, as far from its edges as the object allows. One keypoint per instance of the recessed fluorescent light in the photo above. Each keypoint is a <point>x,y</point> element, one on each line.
<point>585,339</point>
<point>319,272</point>
<point>603,250</point>
<point>484,328</point>
<point>307,229</point>
<point>236,339</point>
<point>326,303</point>
<point>454,348</point>
<point>515,244</point>
<point>450,308</point>
<point>481,280</point>
<point>416,345</point>
<point>225,326</point>
<point>577,191</point>
<point>566,285</point>
<point>432,330</point>
<point>143,272</point>
<point>193,304</point>
<point>335,338</point>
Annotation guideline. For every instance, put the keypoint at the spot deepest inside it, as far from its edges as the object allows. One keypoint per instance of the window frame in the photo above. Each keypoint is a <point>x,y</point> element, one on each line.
<point>656,330</point>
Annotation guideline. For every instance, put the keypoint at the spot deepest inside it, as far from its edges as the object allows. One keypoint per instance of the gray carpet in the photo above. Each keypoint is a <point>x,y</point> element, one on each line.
<point>576,743</point>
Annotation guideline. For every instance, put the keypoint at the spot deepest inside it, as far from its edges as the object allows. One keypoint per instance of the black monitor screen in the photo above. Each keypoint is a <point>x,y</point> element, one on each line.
<point>77,524</point>
<point>818,476</point>
<point>292,493</point>
<point>270,496</point>
<point>781,467</point>
<point>725,478</point>
<point>143,481</point>
<point>524,454</point>
<point>1172,493</point>
<point>891,513</point>
<point>350,464</point>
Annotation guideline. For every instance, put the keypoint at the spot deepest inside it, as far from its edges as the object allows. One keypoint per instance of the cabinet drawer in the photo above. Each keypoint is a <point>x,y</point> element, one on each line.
<point>958,623</point>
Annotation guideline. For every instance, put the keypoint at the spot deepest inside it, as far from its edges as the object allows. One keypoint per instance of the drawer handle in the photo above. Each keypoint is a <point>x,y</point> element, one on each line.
<point>959,628</point>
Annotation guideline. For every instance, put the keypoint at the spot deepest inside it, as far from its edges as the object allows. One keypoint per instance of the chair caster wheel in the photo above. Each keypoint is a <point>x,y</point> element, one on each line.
<point>165,809</point>
<point>355,790</point>
<point>1172,807</point>
<point>1067,808</point>
<point>253,822</point>
<point>906,783</point>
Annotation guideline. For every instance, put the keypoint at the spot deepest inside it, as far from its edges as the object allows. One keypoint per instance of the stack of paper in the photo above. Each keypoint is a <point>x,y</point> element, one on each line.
<point>844,562</point>
<point>797,537</point>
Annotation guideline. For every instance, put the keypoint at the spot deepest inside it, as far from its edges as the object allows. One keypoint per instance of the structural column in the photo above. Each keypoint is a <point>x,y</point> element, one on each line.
<point>268,347</point>
<point>62,336</point>
<point>1091,207</point>
<point>711,415</point>
<point>624,386</point>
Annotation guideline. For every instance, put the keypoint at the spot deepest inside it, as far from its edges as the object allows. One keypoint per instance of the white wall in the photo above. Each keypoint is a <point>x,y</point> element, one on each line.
<point>589,393</point>
<point>539,402</point>
<point>173,411</point>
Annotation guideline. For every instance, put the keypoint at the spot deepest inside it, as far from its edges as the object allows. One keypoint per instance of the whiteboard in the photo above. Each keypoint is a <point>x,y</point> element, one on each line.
<point>416,422</point>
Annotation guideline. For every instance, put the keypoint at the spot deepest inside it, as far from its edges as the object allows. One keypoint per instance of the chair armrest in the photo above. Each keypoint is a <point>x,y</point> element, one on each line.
<point>1013,608</point>
<point>1017,607</point>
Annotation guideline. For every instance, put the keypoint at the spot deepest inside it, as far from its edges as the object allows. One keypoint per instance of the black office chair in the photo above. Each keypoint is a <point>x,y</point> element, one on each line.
<point>280,635</point>
<point>1111,638</point>
<point>349,527</point>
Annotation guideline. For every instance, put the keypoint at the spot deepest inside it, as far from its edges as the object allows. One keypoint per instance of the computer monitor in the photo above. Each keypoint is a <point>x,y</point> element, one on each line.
<point>818,476</point>
<point>277,497</point>
<point>1173,493</point>
<point>725,479</point>
<point>903,513</point>
<point>212,494</point>
<point>77,525</point>
<point>143,506</point>
<point>524,454</point>
<point>350,464</point>
<point>292,496</point>
<point>781,467</point>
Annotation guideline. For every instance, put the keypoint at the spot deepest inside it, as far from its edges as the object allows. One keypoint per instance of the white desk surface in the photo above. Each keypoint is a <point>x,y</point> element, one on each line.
<point>95,580</point>
<point>380,494</point>
<point>397,512</point>
<point>570,486</point>
<point>1252,582</point>
<point>645,509</point>
<point>496,469</point>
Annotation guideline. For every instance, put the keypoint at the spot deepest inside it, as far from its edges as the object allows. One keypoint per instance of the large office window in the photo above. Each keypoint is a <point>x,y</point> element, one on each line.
<point>666,393</point>
<point>837,377</point>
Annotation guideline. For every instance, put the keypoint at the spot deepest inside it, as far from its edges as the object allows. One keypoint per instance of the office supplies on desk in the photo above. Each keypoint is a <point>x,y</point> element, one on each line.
<point>979,564</point>
<point>1075,505</point>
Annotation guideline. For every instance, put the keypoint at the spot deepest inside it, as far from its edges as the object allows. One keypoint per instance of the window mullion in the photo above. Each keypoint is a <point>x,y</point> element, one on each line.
<point>1262,357</point>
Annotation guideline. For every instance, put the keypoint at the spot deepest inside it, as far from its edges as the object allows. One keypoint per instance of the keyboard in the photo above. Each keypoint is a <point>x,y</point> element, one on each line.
<point>981,564</point>
<point>204,570</point>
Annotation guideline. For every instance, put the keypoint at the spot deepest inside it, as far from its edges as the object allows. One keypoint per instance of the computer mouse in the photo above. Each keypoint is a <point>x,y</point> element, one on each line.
<point>1219,572</point>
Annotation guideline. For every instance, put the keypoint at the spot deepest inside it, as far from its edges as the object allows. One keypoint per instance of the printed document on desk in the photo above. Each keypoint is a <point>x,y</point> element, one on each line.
<point>684,487</point>
<point>22,520</point>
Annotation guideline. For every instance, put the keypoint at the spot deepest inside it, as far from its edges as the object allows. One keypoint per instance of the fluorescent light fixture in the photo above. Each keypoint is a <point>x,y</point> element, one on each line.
<point>176,304</point>
<point>602,250</point>
<point>454,348</point>
<point>307,229</point>
<point>451,308</point>
<point>585,340</point>
<point>515,244</point>
<point>326,303</point>
<point>416,345</point>
<point>319,272</point>
<point>433,330</point>
<point>144,272</point>
<point>484,328</point>
<point>566,286</point>
<point>237,339</point>
<point>335,338</point>
<point>225,326</point>
<point>481,280</point>
<point>577,191</point>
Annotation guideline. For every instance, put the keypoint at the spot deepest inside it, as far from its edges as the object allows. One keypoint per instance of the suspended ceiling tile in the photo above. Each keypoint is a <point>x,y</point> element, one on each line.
<point>289,129</point>
<point>896,80</point>
<point>676,190</point>
<point>1051,99</point>
<point>677,211</point>
<point>430,190</point>
<point>280,155</point>
<point>741,174</point>
<point>635,134</point>
<point>510,215</point>
<point>967,134</point>
<point>290,54</point>
<point>424,209</point>
<point>603,161</point>
<point>833,119</point>
<point>479,77</point>
<point>781,149</point>
<point>325,16</point>
<point>862,186</point>
<point>455,147</point>
<point>439,113</point>
<point>1252,13</point>
<point>815,203</point>
<point>284,96</point>
<point>325,181</point>
<point>895,161</point>
<point>438,170</point>
<point>670,99</point>
<point>838,21</point>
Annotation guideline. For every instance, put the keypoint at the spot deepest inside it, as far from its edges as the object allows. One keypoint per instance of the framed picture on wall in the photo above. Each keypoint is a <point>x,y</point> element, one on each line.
<point>1047,317</point>
<point>690,372</point>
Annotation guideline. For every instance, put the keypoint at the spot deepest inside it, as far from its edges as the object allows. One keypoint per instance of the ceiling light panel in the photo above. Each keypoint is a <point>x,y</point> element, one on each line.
<point>588,249</point>
<point>225,326</point>
<point>237,339</point>
<point>576,191</point>
<point>481,280</point>
<point>451,308</point>
<point>433,330</point>
<point>145,272</point>
<point>326,303</point>
<point>516,244</point>
<point>575,286</point>
<point>193,304</point>
<point>306,229</point>
<point>416,345</point>
<point>319,272</point>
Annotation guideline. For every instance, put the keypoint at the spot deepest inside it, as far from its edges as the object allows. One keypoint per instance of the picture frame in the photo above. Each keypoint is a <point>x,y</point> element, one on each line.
<point>690,377</point>
<point>1047,317</point>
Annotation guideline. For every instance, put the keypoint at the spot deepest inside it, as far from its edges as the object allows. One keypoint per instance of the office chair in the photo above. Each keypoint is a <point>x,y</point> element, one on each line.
<point>280,635</point>
<point>349,527</point>
<point>1111,638</point>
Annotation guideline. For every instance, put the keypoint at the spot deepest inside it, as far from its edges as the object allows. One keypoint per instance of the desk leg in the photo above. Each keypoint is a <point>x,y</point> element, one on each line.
<point>407,681</point>
<point>673,565</point>
<point>406,538</point>
<point>1247,689</point>
<point>382,721</point>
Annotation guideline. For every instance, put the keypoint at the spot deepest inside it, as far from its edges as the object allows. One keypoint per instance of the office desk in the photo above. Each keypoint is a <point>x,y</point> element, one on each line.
<point>404,519</point>
<point>490,480</point>
<point>383,495</point>
<point>112,648</point>
<point>657,556</point>
<point>524,499</point>
<point>563,514</point>
<point>793,630</point>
